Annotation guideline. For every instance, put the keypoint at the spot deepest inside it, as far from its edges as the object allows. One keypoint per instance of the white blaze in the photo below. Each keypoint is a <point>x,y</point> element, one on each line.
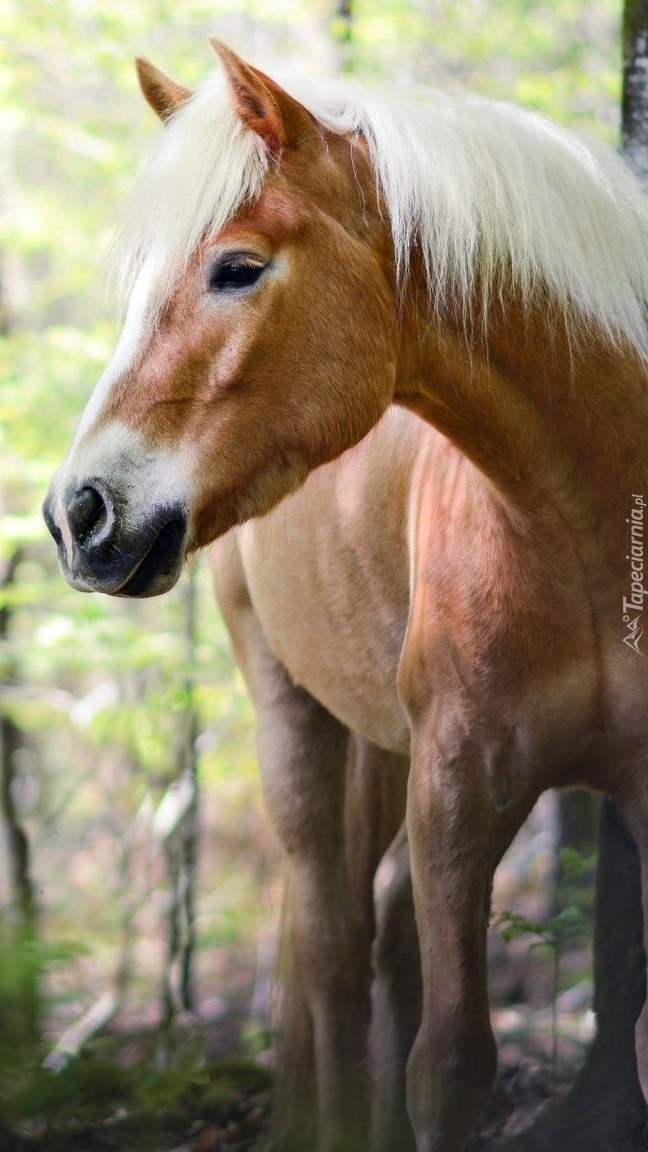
<point>145,477</point>
<point>131,341</point>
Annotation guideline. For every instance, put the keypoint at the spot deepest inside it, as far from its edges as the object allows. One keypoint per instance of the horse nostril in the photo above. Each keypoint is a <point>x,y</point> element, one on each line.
<point>91,513</point>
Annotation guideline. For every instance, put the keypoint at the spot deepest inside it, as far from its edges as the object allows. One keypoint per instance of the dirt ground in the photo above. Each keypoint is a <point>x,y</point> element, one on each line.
<point>205,1084</point>
<point>198,1090</point>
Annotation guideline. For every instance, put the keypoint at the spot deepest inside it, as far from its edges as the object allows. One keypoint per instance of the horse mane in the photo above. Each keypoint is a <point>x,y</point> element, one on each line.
<point>496,198</point>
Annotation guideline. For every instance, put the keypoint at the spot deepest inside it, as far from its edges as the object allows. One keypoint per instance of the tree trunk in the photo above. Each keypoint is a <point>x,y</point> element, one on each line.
<point>342,33</point>
<point>605,1110</point>
<point>634,100</point>
<point>19,977</point>
<point>182,842</point>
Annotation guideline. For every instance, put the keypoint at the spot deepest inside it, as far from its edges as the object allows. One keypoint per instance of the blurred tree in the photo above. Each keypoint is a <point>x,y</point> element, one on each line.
<point>634,102</point>
<point>21,892</point>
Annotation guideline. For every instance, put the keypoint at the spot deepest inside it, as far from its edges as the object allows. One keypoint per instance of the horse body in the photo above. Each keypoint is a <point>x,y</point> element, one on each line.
<point>445,595</point>
<point>406,510</point>
<point>513,587</point>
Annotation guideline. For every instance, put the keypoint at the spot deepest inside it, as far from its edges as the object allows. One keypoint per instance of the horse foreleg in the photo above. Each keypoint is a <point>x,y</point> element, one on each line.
<point>379,871</point>
<point>303,759</point>
<point>453,850</point>
<point>375,809</point>
<point>322,1091</point>
<point>396,999</point>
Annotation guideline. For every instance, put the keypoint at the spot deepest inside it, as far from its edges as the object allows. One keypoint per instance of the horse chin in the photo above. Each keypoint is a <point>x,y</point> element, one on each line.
<point>143,566</point>
<point>160,568</point>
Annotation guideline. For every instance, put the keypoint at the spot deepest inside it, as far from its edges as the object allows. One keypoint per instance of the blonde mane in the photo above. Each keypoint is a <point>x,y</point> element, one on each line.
<point>490,193</point>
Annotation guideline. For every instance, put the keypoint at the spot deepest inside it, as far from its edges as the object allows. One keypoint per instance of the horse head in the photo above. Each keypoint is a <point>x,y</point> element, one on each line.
<point>259,338</point>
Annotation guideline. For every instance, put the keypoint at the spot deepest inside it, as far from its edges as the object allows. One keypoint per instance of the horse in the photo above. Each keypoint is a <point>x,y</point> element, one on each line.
<point>390,353</point>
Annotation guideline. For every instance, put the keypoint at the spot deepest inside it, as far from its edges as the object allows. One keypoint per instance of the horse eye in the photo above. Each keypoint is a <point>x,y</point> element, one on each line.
<point>236,271</point>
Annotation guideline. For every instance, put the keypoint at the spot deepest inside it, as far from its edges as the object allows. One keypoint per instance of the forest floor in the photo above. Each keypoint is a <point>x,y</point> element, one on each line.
<point>226,1108</point>
<point>196,1088</point>
<point>204,1084</point>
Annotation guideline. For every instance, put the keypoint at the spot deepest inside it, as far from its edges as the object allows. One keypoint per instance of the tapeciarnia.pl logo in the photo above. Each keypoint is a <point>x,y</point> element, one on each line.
<point>633,605</point>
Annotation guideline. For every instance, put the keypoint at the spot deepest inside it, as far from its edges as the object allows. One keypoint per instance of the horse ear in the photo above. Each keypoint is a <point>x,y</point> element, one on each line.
<point>262,104</point>
<point>162,93</point>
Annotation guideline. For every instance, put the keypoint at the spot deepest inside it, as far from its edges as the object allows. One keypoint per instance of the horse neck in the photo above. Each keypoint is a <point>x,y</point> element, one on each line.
<point>554,418</point>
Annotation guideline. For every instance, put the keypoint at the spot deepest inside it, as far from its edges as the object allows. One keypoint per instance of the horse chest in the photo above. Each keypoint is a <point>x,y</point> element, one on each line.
<point>335,639</point>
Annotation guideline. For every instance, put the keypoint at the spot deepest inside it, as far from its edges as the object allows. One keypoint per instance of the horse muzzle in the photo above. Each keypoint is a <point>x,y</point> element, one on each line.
<point>102,549</point>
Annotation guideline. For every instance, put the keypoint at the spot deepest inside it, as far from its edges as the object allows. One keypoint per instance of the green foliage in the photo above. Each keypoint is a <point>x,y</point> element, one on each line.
<point>565,925</point>
<point>562,59</point>
<point>94,1088</point>
<point>575,867</point>
<point>557,932</point>
<point>84,1090</point>
<point>554,932</point>
<point>258,1039</point>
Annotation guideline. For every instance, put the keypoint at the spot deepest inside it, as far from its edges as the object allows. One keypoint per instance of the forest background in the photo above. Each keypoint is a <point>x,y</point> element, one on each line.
<point>126,740</point>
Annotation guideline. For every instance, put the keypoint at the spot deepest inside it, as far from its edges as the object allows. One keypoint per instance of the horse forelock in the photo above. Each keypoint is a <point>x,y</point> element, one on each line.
<point>494,198</point>
<point>206,165</point>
